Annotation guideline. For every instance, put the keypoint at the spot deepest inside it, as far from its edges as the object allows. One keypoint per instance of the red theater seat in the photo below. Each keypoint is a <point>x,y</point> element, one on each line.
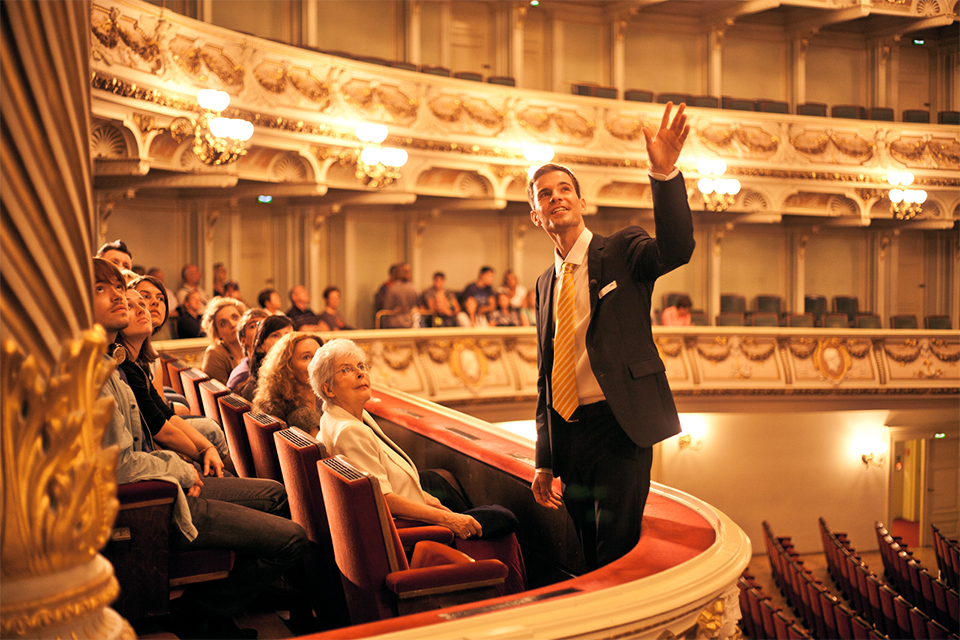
<point>232,408</point>
<point>378,581</point>
<point>260,429</point>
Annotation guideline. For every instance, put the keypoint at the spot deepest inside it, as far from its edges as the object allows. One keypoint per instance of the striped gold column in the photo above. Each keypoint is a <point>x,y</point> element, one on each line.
<point>58,484</point>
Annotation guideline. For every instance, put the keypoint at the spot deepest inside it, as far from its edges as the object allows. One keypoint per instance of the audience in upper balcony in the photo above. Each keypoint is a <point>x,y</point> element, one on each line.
<point>189,316</point>
<point>231,289</point>
<point>246,333</point>
<point>505,315</point>
<point>478,299</point>
<point>190,281</point>
<point>271,329</point>
<point>440,304</point>
<point>402,300</point>
<point>304,319</point>
<point>283,389</point>
<point>330,319</point>
<point>116,252</point>
<point>220,322</point>
<point>269,300</point>
<point>207,511</point>
<point>679,314</point>
<point>219,279</point>
<point>528,312</point>
<point>515,291</point>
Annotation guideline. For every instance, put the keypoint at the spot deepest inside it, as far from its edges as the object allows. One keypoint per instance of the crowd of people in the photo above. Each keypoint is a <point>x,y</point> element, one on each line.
<point>397,303</point>
<point>270,358</point>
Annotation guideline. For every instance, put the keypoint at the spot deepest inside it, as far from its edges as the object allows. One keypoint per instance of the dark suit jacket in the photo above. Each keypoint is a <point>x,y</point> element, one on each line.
<point>619,338</point>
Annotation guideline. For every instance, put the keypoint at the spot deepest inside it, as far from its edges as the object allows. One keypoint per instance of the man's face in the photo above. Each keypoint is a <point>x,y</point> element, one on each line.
<point>558,206</point>
<point>439,282</point>
<point>300,297</point>
<point>192,275</point>
<point>486,278</point>
<point>110,306</point>
<point>119,258</point>
<point>273,303</point>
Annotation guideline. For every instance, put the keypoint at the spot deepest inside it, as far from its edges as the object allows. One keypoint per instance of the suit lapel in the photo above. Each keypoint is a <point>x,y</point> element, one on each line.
<point>546,310</point>
<point>409,468</point>
<point>594,256</point>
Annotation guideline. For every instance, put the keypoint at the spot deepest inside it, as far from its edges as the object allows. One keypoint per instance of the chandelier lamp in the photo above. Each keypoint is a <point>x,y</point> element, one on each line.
<point>377,166</point>
<point>217,140</point>
<point>905,204</point>
<point>718,193</point>
<point>537,155</point>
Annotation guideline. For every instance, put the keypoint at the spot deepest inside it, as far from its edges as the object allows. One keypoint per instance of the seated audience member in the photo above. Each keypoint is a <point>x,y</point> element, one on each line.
<point>265,541</point>
<point>189,317</point>
<point>284,389</point>
<point>504,315</point>
<point>515,291</point>
<point>271,329</point>
<point>155,295</point>
<point>403,300</point>
<point>219,279</point>
<point>220,322</point>
<point>269,300</point>
<point>479,299</point>
<point>440,303</point>
<point>330,319</point>
<point>167,428</point>
<point>139,269</point>
<point>528,312</point>
<point>339,375</point>
<point>304,319</point>
<point>246,333</point>
<point>116,252</point>
<point>679,314</point>
<point>169,294</point>
<point>190,279</point>
<point>232,290</point>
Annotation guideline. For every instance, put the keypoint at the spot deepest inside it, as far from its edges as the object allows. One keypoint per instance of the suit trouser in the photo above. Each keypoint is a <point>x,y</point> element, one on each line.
<point>606,480</point>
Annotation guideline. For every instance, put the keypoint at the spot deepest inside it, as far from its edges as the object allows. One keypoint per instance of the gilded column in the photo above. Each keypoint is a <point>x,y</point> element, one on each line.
<point>58,485</point>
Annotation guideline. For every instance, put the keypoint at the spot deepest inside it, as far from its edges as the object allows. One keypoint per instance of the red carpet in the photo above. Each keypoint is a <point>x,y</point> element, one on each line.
<point>906,530</point>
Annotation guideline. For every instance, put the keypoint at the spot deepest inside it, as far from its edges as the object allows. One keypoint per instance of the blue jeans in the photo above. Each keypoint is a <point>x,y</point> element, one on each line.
<point>251,518</point>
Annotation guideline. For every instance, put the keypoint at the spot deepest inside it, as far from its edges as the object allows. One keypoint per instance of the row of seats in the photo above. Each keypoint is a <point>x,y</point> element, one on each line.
<point>760,618</point>
<point>931,596</point>
<point>346,518</point>
<point>948,556</point>
<point>430,69</point>
<point>817,109</point>
<point>822,612</point>
<point>888,609</point>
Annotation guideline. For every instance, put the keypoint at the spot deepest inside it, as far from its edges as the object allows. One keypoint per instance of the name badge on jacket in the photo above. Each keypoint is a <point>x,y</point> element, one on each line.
<point>607,289</point>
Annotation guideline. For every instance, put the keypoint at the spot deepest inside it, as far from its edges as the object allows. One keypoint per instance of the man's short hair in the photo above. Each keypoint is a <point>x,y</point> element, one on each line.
<point>544,169</point>
<point>264,296</point>
<point>440,274</point>
<point>116,245</point>
<point>105,271</point>
<point>684,301</point>
<point>329,290</point>
<point>485,269</point>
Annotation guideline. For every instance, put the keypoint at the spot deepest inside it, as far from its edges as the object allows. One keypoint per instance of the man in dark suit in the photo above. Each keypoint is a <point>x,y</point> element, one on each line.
<point>603,400</point>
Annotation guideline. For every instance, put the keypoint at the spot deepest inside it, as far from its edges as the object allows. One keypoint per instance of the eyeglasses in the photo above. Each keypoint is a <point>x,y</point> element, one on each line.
<point>350,370</point>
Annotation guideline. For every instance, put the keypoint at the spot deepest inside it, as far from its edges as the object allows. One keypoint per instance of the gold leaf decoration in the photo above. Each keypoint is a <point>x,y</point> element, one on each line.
<point>756,351</point>
<point>222,66</point>
<point>716,352</point>
<point>59,484</point>
<point>669,347</point>
<point>854,146</point>
<point>757,141</point>
<point>271,76</point>
<point>944,351</point>
<point>310,87</point>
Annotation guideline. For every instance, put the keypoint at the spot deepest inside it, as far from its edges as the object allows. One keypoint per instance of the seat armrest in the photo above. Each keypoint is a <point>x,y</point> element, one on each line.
<point>133,495</point>
<point>432,554</point>
<point>410,536</point>
<point>447,578</point>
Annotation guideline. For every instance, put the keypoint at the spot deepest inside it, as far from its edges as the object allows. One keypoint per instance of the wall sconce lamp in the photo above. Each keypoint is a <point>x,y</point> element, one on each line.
<point>718,193</point>
<point>905,204</point>
<point>874,453</point>
<point>691,437</point>
<point>377,166</point>
<point>216,140</point>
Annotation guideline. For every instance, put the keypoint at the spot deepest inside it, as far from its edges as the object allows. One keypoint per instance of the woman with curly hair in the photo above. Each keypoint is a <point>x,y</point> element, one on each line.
<point>284,389</point>
<point>220,322</point>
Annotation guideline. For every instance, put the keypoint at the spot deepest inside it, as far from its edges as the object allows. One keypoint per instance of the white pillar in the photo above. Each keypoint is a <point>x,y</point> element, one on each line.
<point>559,68</point>
<point>618,72</point>
<point>799,59</point>
<point>715,68</point>
<point>518,16</point>
<point>414,53</point>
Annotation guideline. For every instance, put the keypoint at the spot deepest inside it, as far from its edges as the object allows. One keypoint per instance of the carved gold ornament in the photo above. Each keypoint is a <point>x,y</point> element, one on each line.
<point>755,351</point>
<point>802,348</point>
<point>465,111</point>
<point>569,123</point>
<point>716,352</point>
<point>108,28</point>
<point>669,347</point>
<point>832,359</point>
<point>468,362</point>
<point>58,483</point>
<point>388,103</point>
<point>945,351</point>
<point>398,357</point>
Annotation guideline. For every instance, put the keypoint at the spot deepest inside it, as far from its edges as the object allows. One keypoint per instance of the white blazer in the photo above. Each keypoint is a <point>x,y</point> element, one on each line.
<point>369,449</point>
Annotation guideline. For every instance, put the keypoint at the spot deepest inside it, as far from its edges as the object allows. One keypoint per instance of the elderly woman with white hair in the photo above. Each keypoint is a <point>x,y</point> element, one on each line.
<point>340,377</point>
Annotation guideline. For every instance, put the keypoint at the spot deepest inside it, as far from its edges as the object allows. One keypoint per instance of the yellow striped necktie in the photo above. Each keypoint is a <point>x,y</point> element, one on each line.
<point>564,372</point>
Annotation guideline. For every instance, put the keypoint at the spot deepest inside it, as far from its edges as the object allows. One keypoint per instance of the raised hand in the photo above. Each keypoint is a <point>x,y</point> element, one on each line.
<point>664,146</point>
